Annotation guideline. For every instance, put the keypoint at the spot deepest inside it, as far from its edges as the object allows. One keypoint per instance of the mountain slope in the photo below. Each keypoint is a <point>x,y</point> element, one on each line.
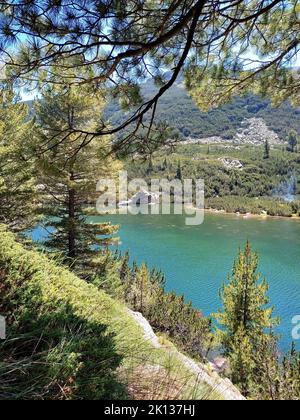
<point>66,339</point>
<point>177,107</point>
<point>179,110</point>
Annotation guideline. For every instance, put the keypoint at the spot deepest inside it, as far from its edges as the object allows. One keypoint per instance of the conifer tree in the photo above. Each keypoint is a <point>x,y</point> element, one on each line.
<point>179,172</point>
<point>210,42</point>
<point>293,141</point>
<point>150,167</point>
<point>267,149</point>
<point>143,283</point>
<point>246,321</point>
<point>126,276</point>
<point>165,165</point>
<point>290,388</point>
<point>17,180</point>
<point>69,172</point>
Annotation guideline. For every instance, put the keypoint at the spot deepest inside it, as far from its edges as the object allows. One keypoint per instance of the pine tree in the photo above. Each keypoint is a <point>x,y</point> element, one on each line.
<point>267,378</point>
<point>290,387</point>
<point>106,274</point>
<point>69,172</point>
<point>246,321</point>
<point>293,141</point>
<point>126,276</point>
<point>143,283</point>
<point>276,378</point>
<point>267,150</point>
<point>179,172</point>
<point>150,167</point>
<point>42,33</point>
<point>165,165</point>
<point>17,180</point>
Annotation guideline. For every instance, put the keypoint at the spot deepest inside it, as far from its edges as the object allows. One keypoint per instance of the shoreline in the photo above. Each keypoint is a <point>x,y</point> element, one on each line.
<point>244,216</point>
<point>249,215</point>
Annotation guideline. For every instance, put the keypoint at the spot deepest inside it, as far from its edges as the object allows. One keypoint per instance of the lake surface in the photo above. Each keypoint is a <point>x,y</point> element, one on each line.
<point>196,260</point>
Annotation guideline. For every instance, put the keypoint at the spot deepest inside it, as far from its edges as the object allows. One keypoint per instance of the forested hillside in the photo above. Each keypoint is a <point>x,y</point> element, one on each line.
<point>179,110</point>
<point>237,178</point>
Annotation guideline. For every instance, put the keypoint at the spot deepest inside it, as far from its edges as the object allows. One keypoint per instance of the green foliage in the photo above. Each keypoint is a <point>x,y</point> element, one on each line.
<point>274,380</point>
<point>246,319</point>
<point>55,349</point>
<point>232,73</point>
<point>179,172</point>
<point>267,150</point>
<point>261,206</point>
<point>261,186</point>
<point>69,169</point>
<point>179,110</point>
<point>150,167</point>
<point>17,177</point>
<point>247,338</point>
<point>69,340</point>
<point>144,291</point>
<point>292,141</point>
<point>290,372</point>
<point>229,48</point>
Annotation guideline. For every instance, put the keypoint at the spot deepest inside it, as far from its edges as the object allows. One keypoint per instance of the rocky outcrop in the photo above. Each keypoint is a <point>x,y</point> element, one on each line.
<point>255,131</point>
<point>231,163</point>
<point>149,334</point>
<point>204,373</point>
<point>142,197</point>
<point>207,140</point>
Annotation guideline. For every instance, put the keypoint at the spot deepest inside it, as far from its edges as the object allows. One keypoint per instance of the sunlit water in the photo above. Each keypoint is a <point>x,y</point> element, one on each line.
<point>196,260</point>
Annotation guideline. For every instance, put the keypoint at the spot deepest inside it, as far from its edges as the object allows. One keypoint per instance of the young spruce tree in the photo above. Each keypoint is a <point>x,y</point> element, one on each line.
<point>292,141</point>
<point>246,322</point>
<point>267,149</point>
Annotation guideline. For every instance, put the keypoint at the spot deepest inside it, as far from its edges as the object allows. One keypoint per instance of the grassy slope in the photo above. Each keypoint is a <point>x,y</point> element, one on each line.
<point>30,277</point>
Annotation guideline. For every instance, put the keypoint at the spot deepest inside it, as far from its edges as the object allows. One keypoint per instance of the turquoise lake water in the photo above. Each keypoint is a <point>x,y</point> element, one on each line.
<point>196,260</point>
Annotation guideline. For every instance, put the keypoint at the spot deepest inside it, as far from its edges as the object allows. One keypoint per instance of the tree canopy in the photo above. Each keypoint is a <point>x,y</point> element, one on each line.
<point>17,175</point>
<point>223,47</point>
<point>68,171</point>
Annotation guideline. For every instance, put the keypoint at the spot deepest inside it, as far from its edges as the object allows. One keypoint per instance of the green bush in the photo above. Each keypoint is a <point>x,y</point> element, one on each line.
<point>243,205</point>
<point>56,348</point>
<point>144,291</point>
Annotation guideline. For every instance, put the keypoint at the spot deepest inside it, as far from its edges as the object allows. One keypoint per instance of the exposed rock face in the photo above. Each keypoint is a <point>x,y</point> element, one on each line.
<point>255,131</point>
<point>207,140</point>
<point>231,163</point>
<point>142,197</point>
<point>149,334</point>
<point>206,374</point>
